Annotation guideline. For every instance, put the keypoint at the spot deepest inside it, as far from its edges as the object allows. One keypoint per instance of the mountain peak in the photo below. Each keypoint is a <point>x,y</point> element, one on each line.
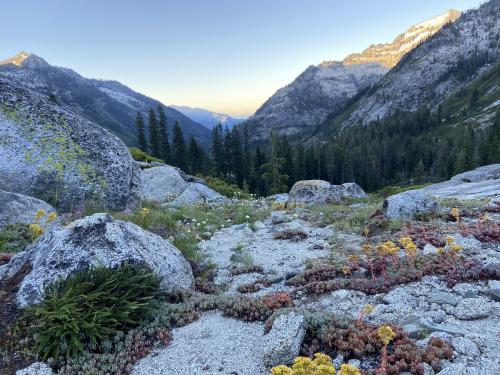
<point>389,54</point>
<point>25,60</point>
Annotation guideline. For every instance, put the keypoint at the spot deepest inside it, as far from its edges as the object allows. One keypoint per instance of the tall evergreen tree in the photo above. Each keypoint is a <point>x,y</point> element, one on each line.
<point>153,134</point>
<point>196,158</point>
<point>179,156</point>
<point>141,135</point>
<point>218,150</point>
<point>273,175</point>
<point>163,135</point>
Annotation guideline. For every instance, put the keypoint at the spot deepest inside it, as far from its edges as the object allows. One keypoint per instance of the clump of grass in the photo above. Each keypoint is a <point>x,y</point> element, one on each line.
<point>88,307</point>
<point>15,237</point>
<point>140,155</point>
<point>225,188</point>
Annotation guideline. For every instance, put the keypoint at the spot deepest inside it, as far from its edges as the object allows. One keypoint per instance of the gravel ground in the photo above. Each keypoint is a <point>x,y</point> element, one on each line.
<point>212,345</point>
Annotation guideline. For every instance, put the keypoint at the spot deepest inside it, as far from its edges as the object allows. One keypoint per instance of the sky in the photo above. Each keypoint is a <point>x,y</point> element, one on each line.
<point>228,56</point>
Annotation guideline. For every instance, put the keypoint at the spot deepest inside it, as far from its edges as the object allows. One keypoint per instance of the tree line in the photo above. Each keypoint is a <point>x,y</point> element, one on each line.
<point>407,147</point>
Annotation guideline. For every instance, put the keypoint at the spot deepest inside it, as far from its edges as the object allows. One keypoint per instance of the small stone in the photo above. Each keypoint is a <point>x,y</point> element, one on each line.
<point>354,362</point>
<point>417,327</point>
<point>465,347</point>
<point>442,298</point>
<point>37,368</point>
<point>454,369</point>
<point>429,249</point>
<point>472,308</point>
<point>400,295</point>
<point>284,340</point>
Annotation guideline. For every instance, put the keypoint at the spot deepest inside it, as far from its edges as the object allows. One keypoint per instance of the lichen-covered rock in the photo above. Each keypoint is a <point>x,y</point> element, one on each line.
<point>352,190</point>
<point>52,154</point>
<point>97,240</point>
<point>19,208</point>
<point>198,193</point>
<point>408,204</point>
<point>283,341</point>
<point>37,368</point>
<point>161,183</point>
<point>312,192</point>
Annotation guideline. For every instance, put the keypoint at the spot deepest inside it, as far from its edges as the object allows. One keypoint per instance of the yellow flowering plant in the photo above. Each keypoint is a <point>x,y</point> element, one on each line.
<point>320,365</point>
<point>347,369</point>
<point>37,228</point>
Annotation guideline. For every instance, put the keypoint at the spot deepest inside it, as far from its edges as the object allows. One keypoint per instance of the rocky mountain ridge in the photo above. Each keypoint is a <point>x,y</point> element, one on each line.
<point>326,88</point>
<point>389,54</point>
<point>109,104</point>
<point>436,69</point>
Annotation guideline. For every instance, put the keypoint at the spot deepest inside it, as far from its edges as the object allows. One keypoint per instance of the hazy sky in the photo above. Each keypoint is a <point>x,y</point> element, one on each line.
<point>223,55</point>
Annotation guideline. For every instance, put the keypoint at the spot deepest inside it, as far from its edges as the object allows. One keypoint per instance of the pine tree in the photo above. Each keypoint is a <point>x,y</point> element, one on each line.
<point>419,172</point>
<point>235,157</point>
<point>273,175</point>
<point>196,158</point>
<point>179,157</point>
<point>141,135</point>
<point>153,134</point>
<point>163,135</point>
<point>218,150</point>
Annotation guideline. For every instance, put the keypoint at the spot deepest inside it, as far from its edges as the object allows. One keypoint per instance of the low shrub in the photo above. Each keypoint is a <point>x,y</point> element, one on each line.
<point>294,235</point>
<point>89,307</point>
<point>140,155</point>
<point>15,237</point>
<point>225,188</point>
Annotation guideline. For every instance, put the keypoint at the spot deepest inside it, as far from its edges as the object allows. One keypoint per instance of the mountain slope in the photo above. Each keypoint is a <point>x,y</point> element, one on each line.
<point>208,118</point>
<point>437,68</point>
<point>327,88</point>
<point>389,54</point>
<point>107,103</point>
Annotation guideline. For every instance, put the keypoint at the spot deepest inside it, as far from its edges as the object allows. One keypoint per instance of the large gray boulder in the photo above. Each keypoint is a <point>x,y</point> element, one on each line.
<point>171,185</point>
<point>19,208</point>
<point>283,342</point>
<point>408,204</point>
<point>52,154</point>
<point>198,193</point>
<point>313,192</point>
<point>482,182</point>
<point>161,183</point>
<point>96,240</point>
<point>352,190</point>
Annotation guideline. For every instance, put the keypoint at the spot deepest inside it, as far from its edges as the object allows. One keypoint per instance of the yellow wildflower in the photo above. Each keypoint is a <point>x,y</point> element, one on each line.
<point>281,370</point>
<point>36,229</point>
<point>450,240</point>
<point>39,214</point>
<point>354,259</point>
<point>366,232</point>
<point>346,270</point>
<point>52,216</point>
<point>367,249</point>
<point>322,359</point>
<point>385,334</point>
<point>367,309</point>
<point>144,212</point>
<point>391,248</point>
<point>346,369</point>
<point>440,250</point>
<point>381,250</point>
<point>455,248</point>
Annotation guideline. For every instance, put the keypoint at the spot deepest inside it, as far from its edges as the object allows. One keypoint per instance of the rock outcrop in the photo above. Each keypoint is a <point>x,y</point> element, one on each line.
<point>19,208</point>
<point>174,187</point>
<point>59,157</point>
<point>97,240</point>
<point>482,182</point>
<point>311,192</point>
<point>409,204</point>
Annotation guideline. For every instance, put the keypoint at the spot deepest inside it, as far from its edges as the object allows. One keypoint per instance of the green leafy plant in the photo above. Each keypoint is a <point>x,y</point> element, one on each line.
<point>15,237</point>
<point>142,156</point>
<point>88,307</point>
